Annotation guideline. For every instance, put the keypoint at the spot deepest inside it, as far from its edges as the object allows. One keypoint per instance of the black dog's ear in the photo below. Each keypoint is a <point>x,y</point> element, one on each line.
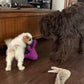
<point>45,26</point>
<point>48,25</point>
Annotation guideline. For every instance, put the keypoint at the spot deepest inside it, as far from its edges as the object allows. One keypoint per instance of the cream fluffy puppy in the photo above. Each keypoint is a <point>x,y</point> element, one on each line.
<point>16,49</point>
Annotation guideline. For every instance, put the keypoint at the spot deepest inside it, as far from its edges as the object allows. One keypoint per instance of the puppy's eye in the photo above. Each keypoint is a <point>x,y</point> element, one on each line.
<point>29,39</point>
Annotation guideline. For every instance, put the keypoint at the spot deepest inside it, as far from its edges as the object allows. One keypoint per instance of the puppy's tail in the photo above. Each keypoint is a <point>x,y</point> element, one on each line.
<point>7,42</point>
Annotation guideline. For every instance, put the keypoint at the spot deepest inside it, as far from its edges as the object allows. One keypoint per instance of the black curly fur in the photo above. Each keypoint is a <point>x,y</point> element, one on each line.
<point>66,28</point>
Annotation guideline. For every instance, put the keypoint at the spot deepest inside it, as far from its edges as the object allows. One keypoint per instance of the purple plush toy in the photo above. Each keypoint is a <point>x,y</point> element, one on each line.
<point>30,51</point>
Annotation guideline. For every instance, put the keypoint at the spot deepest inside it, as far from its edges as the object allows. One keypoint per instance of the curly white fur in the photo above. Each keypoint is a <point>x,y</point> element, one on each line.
<point>16,49</point>
<point>62,74</point>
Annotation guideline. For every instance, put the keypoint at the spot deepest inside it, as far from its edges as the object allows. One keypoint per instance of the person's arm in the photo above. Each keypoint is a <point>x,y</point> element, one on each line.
<point>65,4</point>
<point>69,3</point>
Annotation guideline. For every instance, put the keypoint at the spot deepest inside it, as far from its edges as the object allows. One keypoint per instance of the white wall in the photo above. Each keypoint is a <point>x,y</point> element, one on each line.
<point>58,4</point>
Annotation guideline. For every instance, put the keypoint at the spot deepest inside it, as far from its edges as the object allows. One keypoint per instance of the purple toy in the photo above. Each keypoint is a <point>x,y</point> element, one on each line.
<point>30,51</point>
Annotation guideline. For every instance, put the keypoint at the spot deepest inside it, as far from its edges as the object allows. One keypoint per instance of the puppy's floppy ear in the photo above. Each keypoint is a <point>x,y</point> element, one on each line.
<point>26,38</point>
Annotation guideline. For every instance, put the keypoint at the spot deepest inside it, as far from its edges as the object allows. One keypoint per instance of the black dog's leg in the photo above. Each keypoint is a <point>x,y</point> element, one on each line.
<point>81,46</point>
<point>66,47</point>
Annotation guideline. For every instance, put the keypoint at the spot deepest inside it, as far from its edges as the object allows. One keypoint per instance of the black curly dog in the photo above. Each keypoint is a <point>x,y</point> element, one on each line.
<point>66,28</point>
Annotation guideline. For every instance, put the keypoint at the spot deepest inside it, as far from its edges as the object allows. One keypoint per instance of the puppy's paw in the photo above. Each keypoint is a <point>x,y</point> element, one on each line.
<point>21,68</point>
<point>8,69</point>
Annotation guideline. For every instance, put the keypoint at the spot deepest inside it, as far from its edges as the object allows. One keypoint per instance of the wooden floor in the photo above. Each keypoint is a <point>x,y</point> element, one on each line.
<point>36,71</point>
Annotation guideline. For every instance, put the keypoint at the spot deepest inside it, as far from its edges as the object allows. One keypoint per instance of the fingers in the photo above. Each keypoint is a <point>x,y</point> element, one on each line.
<point>55,68</point>
<point>52,71</point>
